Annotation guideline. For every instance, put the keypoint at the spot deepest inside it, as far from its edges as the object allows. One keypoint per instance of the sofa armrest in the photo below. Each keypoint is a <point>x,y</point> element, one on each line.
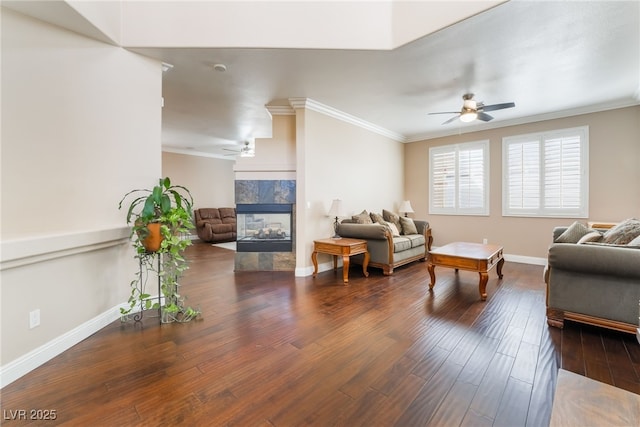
<point>363,231</point>
<point>595,259</point>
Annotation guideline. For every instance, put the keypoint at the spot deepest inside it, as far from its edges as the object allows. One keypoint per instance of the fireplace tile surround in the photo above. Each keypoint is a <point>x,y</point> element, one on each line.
<point>250,192</point>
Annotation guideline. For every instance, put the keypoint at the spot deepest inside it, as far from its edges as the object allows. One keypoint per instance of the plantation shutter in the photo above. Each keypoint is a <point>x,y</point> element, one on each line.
<point>459,179</point>
<point>546,174</point>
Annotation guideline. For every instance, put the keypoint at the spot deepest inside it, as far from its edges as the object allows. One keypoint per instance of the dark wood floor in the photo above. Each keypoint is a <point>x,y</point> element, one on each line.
<point>275,350</point>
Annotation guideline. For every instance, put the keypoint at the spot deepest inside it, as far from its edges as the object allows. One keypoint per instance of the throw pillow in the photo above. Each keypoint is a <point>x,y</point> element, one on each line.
<point>362,218</point>
<point>391,217</point>
<point>592,236</point>
<point>635,242</point>
<point>623,233</point>
<point>394,230</point>
<point>377,218</point>
<point>574,233</point>
<point>408,226</point>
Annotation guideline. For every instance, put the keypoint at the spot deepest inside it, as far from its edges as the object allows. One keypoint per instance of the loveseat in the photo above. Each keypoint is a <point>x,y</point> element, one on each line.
<point>216,225</point>
<point>389,244</point>
<point>594,278</point>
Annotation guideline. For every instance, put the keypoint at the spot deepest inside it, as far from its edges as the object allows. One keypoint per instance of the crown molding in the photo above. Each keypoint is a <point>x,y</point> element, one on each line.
<point>190,152</point>
<point>310,104</point>
<point>280,110</point>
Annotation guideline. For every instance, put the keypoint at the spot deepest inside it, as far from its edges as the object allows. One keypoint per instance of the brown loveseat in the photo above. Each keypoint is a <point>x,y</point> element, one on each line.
<point>216,225</point>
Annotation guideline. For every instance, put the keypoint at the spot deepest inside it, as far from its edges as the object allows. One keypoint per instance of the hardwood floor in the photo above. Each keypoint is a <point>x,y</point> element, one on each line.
<point>276,350</point>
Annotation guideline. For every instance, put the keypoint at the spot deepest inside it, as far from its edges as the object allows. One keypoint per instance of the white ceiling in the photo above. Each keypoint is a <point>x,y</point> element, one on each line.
<point>552,58</point>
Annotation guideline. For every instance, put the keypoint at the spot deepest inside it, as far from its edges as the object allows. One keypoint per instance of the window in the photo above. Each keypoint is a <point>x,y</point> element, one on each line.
<point>546,174</point>
<point>459,179</point>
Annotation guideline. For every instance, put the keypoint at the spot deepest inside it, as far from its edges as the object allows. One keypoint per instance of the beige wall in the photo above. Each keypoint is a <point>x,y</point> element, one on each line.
<point>338,160</point>
<point>209,180</point>
<point>80,127</point>
<point>614,156</point>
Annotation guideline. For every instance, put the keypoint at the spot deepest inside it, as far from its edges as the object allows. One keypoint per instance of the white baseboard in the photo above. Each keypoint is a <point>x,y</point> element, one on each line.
<point>37,357</point>
<point>308,271</point>
<point>525,259</point>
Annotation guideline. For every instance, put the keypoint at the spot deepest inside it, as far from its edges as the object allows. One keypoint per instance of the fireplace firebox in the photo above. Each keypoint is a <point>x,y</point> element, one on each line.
<point>264,227</point>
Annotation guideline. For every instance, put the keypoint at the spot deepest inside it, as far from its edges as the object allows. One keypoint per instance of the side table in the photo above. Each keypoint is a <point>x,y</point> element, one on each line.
<point>340,247</point>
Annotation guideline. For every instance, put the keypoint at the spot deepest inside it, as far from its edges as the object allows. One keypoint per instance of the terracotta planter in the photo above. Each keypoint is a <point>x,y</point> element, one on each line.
<point>152,242</point>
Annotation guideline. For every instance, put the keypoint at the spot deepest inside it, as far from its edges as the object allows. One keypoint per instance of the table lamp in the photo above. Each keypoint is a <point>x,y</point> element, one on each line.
<point>334,212</point>
<point>405,207</point>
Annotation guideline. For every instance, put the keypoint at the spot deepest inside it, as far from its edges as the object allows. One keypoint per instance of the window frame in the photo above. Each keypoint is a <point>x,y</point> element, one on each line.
<point>484,145</point>
<point>541,138</point>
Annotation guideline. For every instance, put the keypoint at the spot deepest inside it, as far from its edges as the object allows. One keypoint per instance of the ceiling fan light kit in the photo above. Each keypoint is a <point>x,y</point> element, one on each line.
<point>474,110</point>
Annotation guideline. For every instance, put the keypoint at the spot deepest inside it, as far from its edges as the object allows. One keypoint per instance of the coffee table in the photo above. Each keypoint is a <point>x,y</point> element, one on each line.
<point>340,247</point>
<point>476,257</point>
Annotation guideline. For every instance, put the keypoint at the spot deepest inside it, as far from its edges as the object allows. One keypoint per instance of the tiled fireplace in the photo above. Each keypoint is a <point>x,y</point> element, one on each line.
<point>266,225</point>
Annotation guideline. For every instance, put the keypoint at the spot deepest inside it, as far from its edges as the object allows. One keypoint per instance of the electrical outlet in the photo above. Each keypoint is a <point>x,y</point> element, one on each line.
<point>485,241</point>
<point>34,318</point>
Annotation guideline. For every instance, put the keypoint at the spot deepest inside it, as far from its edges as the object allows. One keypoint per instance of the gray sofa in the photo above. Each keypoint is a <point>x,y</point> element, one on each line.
<point>386,251</point>
<point>593,283</point>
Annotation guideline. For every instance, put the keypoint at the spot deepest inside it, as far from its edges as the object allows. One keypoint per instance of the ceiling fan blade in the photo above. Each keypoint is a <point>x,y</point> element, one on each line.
<point>445,112</point>
<point>484,116</point>
<point>452,119</point>
<point>495,107</point>
<point>228,149</point>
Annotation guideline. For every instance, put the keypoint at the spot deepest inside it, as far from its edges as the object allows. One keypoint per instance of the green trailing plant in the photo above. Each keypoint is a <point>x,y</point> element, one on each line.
<point>170,206</point>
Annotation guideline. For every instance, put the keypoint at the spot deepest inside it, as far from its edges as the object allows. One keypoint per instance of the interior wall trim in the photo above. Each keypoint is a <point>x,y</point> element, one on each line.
<point>310,104</point>
<point>31,250</point>
<point>37,357</point>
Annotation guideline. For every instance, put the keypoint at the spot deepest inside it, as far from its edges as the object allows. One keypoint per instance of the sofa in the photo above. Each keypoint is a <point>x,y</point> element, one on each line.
<point>216,225</point>
<point>390,245</point>
<point>593,276</point>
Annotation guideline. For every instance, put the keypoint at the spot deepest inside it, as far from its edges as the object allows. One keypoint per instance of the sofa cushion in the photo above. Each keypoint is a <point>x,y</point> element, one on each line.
<point>401,243</point>
<point>209,213</point>
<point>391,217</point>
<point>592,236</point>
<point>574,233</point>
<point>362,218</point>
<point>227,213</point>
<point>622,233</point>
<point>394,230</point>
<point>408,227</point>
<point>416,240</point>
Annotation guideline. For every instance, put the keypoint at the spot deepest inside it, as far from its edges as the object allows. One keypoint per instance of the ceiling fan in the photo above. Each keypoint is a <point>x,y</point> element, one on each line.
<point>246,151</point>
<point>472,110</point>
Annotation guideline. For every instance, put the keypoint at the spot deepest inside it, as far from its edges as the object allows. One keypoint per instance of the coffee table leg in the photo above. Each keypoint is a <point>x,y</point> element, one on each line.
<point>432,273</point>
<point>345,269</point>
<point>484,277</point>
<point>314,258</point>
<point>499,267</point>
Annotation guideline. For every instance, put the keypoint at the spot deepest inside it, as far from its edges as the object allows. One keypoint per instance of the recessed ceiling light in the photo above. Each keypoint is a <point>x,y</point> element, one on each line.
<point>220,67</point>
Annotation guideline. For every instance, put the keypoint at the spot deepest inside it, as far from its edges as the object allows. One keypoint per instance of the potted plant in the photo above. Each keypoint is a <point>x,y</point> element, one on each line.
<point>159,216</point>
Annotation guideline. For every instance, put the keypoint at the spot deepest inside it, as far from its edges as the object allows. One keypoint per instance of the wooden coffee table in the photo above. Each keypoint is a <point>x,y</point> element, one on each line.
<point>340,247</point>
<point>467,256</point>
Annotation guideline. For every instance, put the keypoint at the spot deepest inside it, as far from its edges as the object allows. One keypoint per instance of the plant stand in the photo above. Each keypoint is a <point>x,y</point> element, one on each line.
<point>138,316</point>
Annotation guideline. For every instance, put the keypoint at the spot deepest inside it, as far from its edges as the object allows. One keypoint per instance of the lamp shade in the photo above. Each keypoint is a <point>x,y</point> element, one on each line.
<point>336,209</point>
<point>405,207</point>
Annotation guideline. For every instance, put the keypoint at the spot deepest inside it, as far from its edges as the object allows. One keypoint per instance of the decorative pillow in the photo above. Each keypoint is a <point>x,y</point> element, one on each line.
<point>592,236</point>
<point>574,233</point>
<point>393,228</point>
<point>391,217</point>
<point>623,233</point>
<point>362,218</point>
<point>376,218</point>
<point>408,226</point>
<point>635,242</point>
